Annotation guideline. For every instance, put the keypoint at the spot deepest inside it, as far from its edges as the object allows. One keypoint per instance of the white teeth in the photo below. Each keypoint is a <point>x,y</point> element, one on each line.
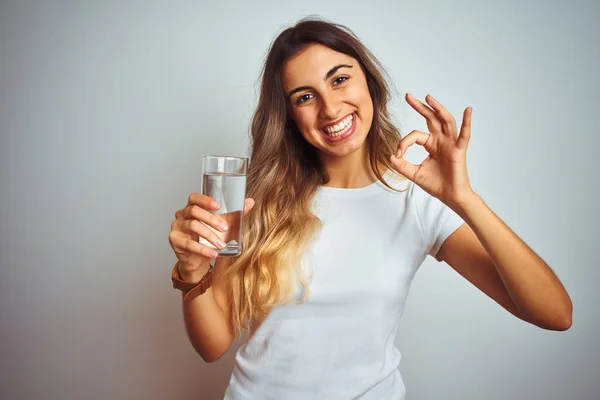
<point>340,128</point>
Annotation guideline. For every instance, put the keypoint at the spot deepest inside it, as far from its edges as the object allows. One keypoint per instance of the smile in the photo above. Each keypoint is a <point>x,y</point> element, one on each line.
<point>340,130</point>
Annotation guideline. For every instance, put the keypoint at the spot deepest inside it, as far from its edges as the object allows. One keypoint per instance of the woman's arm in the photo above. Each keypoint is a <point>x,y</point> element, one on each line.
<point>207,317</point>
<point>491,256</point>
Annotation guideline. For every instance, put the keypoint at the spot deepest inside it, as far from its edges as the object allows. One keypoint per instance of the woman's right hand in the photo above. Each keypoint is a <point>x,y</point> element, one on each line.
<point>187,229</point>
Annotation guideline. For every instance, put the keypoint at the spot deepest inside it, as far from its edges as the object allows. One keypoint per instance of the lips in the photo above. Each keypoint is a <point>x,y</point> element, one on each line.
<point>339,125</point>
<point>347,132</point>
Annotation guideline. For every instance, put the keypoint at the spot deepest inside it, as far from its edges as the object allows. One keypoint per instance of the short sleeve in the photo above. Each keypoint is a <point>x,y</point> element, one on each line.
<point>437,220</point>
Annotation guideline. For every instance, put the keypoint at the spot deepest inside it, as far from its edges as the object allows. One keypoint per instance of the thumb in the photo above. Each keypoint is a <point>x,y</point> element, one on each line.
<point>248,204</point>
<point>404,167</point>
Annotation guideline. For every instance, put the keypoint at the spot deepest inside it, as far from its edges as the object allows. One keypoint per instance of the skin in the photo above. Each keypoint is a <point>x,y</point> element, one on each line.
<point>484,250</point>
<point>325,100</point>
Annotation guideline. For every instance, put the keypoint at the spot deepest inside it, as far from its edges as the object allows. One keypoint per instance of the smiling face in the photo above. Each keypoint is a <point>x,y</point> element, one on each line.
<point>329,100</point>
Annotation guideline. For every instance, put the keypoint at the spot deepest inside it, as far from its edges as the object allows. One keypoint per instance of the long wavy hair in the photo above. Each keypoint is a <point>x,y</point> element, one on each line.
<point>284,174</point>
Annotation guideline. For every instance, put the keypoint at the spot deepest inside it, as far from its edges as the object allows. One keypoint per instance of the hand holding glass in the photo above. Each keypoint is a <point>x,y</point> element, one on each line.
<point>224,179</point>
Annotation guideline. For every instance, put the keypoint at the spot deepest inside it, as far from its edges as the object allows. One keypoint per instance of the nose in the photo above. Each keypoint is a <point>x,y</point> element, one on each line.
<point>331,107</point>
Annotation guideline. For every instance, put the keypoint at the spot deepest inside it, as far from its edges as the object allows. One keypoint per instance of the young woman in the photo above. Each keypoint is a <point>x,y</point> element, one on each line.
<point>336,224</point>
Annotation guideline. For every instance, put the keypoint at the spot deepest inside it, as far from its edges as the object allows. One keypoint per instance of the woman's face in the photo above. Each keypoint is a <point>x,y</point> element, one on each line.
<point>329,99</point>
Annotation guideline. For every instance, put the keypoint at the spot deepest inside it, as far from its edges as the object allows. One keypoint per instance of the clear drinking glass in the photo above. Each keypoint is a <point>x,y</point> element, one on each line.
<point>224,179</point>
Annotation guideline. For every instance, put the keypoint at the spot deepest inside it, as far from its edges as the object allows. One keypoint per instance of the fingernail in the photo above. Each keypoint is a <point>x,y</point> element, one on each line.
<point>220,243</point>
<point>223,226</point>
<point>399,153</point>
<point>214,204</point>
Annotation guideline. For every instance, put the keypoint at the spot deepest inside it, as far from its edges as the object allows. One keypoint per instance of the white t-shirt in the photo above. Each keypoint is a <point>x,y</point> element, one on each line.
<point>340,343</point>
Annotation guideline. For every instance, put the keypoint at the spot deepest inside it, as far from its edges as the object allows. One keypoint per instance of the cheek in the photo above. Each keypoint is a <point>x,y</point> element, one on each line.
<point>305,120</point>
<point>366,104</point>
<point>360,94</point>
<point>305,123</point>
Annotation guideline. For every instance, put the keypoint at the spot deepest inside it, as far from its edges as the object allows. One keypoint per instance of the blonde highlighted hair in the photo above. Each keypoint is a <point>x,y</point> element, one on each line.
<point>285,172</point>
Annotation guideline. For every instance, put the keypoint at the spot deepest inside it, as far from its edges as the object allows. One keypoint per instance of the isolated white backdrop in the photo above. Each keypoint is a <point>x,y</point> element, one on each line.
<point>106,108</point>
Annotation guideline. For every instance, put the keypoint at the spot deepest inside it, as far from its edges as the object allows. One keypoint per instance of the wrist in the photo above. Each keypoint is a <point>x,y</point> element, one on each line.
<point>468,207</point>
<point>191,275</point>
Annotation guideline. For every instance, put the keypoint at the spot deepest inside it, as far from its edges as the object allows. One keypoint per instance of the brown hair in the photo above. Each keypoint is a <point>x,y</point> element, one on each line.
<point>285,172</point>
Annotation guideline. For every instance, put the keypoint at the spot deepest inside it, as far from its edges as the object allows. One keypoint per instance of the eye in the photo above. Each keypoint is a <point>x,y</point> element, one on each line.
<point>340,79</point>
<point>303,98</point>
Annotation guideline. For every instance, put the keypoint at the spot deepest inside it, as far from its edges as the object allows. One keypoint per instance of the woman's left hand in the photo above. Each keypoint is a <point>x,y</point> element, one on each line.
<point>443,174</point>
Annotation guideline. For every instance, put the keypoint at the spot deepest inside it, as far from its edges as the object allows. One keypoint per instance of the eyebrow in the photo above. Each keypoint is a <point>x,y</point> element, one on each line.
<point>327,76</point>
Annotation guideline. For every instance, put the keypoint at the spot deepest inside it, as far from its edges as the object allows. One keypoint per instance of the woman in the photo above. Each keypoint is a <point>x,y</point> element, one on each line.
<point>336,224</point>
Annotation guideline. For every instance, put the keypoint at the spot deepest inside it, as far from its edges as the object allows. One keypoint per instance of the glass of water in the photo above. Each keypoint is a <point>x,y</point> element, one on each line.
<point>224,179</point>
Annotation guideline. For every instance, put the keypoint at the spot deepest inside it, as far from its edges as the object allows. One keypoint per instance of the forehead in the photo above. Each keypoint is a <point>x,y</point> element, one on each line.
<point>310,65</point>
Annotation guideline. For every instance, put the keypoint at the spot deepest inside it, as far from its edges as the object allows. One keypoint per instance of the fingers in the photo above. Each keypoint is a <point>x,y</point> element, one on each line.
<point>404,167</point>
<point>248,205</point>
<point>413,137</point>
<point>200,230</point>
<point>196,221</point>
<point>203,201</point>
<point>439,119</point>
<point>465,130</point>
<point>208,203</point>
<point>193,222</point>
<point>179,240</point>
<point>432,120</point>
<point>448,121</point>
<point>200,214</point>
<point>193,229</point>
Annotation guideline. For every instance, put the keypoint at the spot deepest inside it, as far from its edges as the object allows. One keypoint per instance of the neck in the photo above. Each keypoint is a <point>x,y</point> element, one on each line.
<point>350,171</point>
